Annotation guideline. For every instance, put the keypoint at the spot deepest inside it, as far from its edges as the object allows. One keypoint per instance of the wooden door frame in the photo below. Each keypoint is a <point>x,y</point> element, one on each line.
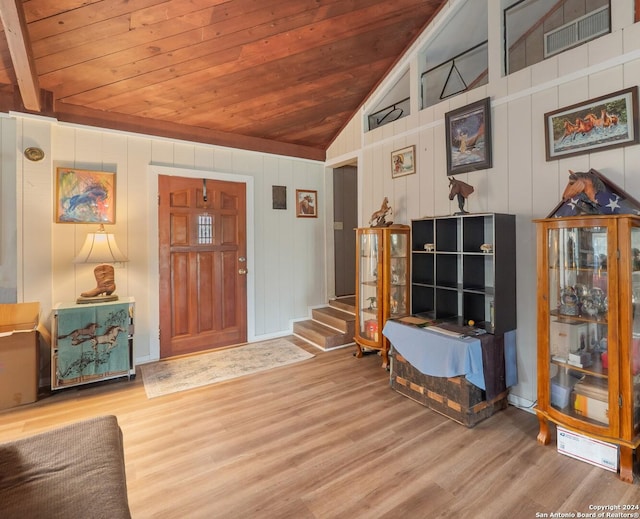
<point>153,250</point>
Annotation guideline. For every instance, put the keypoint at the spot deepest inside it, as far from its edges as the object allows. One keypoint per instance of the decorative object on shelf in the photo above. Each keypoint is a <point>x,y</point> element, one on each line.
<point>604,122</point>
<point>568,301</point>
<point>84,196</point>
<point>487,248</point>
<point>279,197</point>
<point>461,190</point>
<point>306,203</point>
<point>592,193</point>
<point>581,190</point>
<point>468,137</point>
<point>379,217</point>
<point>34,154</point>
<point>100,247</point>
<point>429,247</point>
<point>403,162</point>
<point>372,303</point>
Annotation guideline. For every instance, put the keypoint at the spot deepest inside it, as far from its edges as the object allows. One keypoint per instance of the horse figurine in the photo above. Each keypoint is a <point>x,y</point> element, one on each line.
<point>378,218</point>
<point>461,190</point>
<point>582,189</point>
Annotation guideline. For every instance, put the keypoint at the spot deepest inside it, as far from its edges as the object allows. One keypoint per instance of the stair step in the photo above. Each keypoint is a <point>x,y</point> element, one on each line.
<point>347,304</point>
<point>343,321</point>
<point>321,335</point>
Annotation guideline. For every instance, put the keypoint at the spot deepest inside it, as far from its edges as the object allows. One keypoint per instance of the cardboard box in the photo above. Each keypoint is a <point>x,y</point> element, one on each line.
<point>566,338</point>
<point>592,401</point>
<point>19,359</point>
<point>583,448</point>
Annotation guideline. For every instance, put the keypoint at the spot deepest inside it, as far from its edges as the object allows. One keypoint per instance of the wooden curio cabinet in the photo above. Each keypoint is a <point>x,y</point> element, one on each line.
<point>589,329</point>
<point>382,284</point>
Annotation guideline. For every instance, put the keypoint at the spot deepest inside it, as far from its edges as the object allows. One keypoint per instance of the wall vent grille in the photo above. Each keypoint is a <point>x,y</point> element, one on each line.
<point>578,31</point>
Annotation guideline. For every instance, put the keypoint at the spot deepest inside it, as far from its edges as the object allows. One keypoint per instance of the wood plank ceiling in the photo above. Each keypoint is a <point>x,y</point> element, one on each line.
<point>277,76</point>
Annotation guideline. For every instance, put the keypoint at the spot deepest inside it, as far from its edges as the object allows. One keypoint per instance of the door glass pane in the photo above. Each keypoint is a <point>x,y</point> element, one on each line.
<point>368,283</point>
<point>578,312</point>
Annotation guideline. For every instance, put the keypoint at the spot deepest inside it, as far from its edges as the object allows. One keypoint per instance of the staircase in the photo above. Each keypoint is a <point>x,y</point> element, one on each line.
<point>331,326</point>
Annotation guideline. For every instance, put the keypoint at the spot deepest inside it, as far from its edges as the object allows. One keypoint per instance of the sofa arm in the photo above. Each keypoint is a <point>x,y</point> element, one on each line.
<point>73,471</point>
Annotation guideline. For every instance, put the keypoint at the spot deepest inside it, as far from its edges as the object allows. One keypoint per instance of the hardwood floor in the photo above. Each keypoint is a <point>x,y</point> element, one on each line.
<point>324,438</point>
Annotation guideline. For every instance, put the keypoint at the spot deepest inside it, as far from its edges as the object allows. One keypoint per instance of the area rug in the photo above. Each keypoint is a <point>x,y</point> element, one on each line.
<point>170,376</point>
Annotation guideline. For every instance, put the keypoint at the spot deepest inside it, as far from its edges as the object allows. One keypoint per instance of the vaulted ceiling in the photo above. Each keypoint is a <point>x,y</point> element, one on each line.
<point>277,76</point>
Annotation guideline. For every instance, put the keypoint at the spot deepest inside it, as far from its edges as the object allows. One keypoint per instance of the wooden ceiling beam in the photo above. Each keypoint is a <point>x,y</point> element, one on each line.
<point>15,29</point>
<point>100,119</point>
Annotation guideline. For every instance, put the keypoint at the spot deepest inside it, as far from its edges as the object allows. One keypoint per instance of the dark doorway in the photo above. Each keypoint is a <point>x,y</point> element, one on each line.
<point>345,220</point>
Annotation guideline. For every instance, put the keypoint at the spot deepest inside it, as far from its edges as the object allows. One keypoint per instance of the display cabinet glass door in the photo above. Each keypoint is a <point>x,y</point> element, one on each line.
<point>579,300</point>
<point>398,286</point>
<point>634,340</point>
<point>370,291</point>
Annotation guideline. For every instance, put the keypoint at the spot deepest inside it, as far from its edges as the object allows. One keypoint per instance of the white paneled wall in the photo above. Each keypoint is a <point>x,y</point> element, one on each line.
<point>8,244</point>
<point>521,181</point>
<point>288,264</point>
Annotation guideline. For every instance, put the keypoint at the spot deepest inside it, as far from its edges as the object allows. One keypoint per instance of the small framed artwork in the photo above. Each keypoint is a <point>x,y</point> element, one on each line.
<point>468,137</point>
<point>279,197</point>
<point>403,162</point>
<point>306,203</point>
<point>85,196</point>
<point>604,122</point>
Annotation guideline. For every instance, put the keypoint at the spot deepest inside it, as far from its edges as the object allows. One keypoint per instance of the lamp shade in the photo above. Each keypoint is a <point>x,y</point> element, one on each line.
<point>100,247</point>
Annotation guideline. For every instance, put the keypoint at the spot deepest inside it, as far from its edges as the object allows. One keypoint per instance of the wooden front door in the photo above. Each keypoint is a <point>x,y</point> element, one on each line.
<point>203,288</point>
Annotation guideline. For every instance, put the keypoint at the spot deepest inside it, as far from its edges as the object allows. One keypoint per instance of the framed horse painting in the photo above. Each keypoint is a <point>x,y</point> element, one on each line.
<point>601,123</point>
<point>468,135</point>
<point>306,203</point>
<point>84,196</point>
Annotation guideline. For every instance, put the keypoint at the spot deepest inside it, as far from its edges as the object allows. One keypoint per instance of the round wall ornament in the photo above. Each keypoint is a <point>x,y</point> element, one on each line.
<point>34,154</point>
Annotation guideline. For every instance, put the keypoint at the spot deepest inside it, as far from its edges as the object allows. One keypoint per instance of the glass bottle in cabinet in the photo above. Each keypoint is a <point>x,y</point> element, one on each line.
<point>589,330</point>
<point>382,288</point>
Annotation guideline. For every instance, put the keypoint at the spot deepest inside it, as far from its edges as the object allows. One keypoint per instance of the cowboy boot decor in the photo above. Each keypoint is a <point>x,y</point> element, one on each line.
<point>105,286</point>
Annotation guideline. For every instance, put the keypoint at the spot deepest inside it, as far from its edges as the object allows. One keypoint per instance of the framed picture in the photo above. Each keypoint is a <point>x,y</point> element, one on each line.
<point>605,122</point>
<point>306,203</point>
<point>279,197</point>
<point>468,137</point>
<point>84,196</point>
<point>403,162</point>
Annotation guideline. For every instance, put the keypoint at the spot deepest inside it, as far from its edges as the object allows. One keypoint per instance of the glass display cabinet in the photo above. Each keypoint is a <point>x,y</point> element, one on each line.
<point>382,288</point>
<point>589,329</point>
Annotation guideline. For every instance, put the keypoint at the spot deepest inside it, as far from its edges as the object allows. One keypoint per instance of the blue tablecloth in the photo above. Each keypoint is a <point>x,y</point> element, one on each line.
<point>439,355</point>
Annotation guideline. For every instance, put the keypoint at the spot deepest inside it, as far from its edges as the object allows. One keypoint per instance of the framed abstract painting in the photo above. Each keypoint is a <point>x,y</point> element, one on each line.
<point>85,196</point>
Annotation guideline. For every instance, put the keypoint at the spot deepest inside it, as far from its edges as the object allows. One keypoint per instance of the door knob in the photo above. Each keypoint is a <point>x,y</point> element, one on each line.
<point>242,271</point>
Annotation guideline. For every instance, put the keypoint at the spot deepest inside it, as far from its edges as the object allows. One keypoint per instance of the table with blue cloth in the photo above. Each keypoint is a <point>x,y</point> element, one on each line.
<point>486,361</point>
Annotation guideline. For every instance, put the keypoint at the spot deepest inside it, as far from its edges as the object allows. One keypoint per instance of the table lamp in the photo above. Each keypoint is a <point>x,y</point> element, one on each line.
<point>100,247</point>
